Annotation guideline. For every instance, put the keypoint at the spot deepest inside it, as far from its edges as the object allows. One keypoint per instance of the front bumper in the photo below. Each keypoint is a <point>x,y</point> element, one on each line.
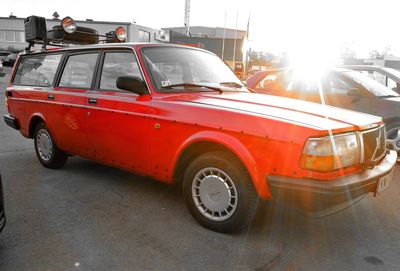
<point>325,197</point>
<point>11,121</point>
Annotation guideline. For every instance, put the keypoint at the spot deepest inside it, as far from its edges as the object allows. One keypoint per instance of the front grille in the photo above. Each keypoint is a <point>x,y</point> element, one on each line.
<point>374,142</point>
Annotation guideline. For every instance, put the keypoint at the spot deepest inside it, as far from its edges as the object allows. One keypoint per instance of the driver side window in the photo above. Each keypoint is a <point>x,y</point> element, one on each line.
<point>118,64</point>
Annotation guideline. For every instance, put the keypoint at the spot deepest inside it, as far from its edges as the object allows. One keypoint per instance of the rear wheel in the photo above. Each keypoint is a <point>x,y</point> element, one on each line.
<point>46,150</point>
<point>219,192</point>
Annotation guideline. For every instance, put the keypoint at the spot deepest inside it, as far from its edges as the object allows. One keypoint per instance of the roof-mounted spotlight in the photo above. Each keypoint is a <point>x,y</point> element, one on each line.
<point>120,34</point>
<point>68,25</point>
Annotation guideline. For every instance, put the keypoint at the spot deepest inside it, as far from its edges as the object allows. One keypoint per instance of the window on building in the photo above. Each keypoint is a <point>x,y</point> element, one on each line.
<point>12,36</point>
<point>144,36</point>
<point>78,72</point>
<point>118,64</point>
<point>38,70</point>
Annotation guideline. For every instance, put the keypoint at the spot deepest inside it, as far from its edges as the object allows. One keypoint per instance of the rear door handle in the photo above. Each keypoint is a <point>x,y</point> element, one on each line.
<point>50,97</point>
<point>92,100</point>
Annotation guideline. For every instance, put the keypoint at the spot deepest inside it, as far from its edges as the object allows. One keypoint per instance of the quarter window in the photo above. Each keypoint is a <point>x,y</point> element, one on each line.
<point>391,84</point>
<point>79,70</point>
<point>38,70</point>
<point>118,64</point>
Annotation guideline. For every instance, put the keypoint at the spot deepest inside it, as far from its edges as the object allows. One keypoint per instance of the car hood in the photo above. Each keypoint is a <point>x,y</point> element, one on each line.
<point>317,116</point>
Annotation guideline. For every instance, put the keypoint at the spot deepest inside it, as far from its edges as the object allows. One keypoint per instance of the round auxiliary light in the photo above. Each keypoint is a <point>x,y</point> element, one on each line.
<point>69,25</point>
<point>120,34</point>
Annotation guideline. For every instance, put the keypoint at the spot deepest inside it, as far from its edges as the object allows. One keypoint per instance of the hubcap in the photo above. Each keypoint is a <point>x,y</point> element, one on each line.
<point>214,194</point>
<point>44,144</point>
<point>393,138</point>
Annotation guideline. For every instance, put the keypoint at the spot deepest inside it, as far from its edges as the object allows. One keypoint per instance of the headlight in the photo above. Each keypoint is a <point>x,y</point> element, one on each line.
<point>330,152</point>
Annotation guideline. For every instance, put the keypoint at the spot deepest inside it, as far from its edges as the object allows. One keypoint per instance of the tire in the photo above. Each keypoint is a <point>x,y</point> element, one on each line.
<point>393,136</point>
<point>46,150</point>
<point>219,192</point>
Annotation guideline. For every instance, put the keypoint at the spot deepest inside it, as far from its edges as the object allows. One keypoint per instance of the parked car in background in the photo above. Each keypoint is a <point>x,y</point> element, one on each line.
<point>386,76</point>
<point>337,87</point>
<point>3,54</point>
<point>10,59</point>
<point>2,212</point>
<point>2,72</point>
<point>179,114</point>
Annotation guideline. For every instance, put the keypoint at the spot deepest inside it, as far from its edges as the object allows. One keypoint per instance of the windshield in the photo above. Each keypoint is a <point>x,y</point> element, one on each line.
<point>371,85</point>
<point>180,69</point>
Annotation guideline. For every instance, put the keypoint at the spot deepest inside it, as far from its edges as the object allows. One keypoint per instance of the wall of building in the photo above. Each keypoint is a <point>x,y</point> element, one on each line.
<point>210,32</point>
<point>12,34</point>
<point>213,45</point>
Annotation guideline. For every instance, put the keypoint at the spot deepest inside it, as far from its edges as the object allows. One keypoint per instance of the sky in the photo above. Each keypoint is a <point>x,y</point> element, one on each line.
<point>302,27</point>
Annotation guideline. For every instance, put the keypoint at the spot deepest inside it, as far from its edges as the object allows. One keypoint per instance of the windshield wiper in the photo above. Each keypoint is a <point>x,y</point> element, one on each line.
<point>219,90</point>
<point>236,85</point>
<point>388,96</point>
<point>231,84</point>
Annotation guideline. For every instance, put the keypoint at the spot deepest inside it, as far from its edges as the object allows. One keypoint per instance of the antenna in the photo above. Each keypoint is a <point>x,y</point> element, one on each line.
<point>187,17</point>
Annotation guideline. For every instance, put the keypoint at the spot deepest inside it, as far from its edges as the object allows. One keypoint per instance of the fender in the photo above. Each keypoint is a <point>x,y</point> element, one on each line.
<point>25,131</point>
<point>237,148</point>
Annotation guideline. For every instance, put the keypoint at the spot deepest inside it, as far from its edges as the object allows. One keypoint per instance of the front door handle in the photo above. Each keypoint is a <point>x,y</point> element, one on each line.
<point>50,97</point>
<point>92,100</point>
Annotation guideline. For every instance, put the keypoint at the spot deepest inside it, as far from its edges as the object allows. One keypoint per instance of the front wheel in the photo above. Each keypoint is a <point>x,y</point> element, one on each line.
<point>46,150</point>
<point>219,192</point>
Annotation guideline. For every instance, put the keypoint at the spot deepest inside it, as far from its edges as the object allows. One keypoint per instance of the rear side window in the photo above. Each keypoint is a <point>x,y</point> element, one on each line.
<point>37,70</point>
<point>118,64</point>
<point>79,70</point>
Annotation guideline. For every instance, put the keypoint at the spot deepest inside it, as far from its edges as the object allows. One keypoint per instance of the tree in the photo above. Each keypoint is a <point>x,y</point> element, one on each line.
<point>375,54</point>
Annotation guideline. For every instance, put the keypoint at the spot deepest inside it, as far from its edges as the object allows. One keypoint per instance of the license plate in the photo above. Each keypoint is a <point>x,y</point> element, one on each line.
<point>383,182</point>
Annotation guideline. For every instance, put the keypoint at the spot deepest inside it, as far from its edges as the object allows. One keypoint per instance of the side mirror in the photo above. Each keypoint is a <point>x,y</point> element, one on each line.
<point>132,84</point>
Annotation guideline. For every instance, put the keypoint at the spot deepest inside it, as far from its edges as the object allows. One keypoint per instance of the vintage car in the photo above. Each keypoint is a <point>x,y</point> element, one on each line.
<point>336,87</point>
<point>179,115</point>
<point>9,60</point>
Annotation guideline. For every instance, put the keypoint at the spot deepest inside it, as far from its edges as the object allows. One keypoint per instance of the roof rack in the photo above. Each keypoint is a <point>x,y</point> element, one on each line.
<point>66,33</point>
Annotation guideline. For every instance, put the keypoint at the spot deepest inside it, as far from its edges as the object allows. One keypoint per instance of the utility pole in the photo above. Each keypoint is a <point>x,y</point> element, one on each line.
<point>234,44</point>
<point>187,17</point>
<point>223,38</point>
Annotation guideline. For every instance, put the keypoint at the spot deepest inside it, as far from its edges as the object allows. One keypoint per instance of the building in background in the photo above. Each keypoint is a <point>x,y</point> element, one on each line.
<point>12,35</point>
<point>218,40</point>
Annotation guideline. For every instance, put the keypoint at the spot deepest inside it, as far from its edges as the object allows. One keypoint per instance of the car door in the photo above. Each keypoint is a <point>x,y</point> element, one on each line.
<point>69,101</point>
<point>342,92</point>
<point>118,123</point>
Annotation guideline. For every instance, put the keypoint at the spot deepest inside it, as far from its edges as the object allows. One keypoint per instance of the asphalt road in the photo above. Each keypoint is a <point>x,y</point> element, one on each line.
<point>87,216</point>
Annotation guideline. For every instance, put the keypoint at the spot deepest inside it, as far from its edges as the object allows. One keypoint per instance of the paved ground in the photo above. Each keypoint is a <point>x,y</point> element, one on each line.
<point>91,217</point>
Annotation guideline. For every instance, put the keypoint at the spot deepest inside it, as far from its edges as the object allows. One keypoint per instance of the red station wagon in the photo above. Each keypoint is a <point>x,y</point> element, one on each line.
<point>179,114</point>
